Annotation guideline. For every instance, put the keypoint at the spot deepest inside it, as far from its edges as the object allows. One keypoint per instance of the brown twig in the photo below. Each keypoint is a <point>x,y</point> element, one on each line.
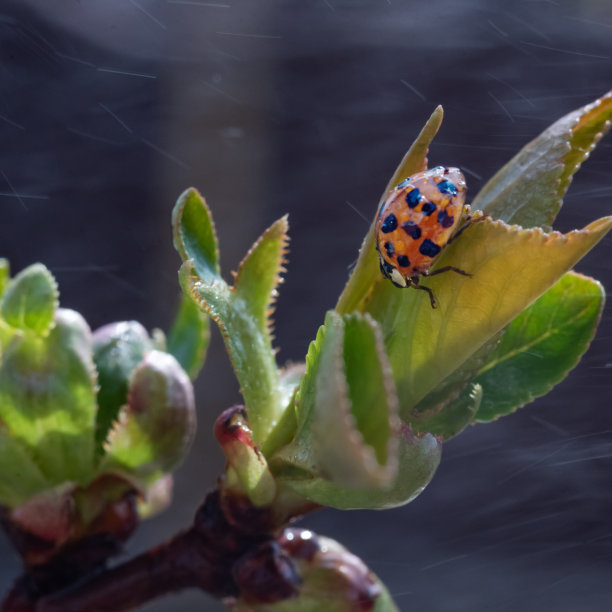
<point>178,564</point>
<point>225,531</point>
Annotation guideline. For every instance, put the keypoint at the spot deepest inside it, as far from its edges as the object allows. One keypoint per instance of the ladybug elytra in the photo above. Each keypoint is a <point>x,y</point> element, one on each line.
<point>416,221</point>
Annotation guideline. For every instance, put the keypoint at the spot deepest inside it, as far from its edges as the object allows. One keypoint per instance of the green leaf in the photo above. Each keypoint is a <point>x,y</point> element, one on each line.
<point>529,189</point>
<point>47,397</point>
<point>118,348</point>
<point>346,407</point>
<point>20,477</point>
<point>284,430</point>
<point>240,312</point>
<point>453,417</point>
<point>30,300</point>
<point>366,271</point>
<point>189,337</point>
<point>195,237</point>
<point>259,272</point>
<point>452,405</point>
<point>541,346</point>
<point>511,268</point>
<point>418,459</point>
<point>155,429</point>
<point>5,274</point>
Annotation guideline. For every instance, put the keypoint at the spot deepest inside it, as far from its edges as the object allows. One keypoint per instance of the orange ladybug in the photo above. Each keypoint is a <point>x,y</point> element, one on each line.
<point>416,221</point>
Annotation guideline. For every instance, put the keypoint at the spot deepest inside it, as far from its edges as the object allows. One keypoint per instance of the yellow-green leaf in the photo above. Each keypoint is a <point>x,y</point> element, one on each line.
<point>30,300</point>
<point>511,268</point>
<point>529,189</point>
<point>366,270</point>
<point>5,274</point>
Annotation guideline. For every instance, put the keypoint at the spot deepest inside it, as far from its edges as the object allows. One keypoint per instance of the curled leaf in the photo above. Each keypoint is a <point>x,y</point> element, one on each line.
<point>346,407</point>
<point>47,398</point>
<point>30,300</point>
<point>156,428</point>
<point>418,459</point>
<point>117,349</point>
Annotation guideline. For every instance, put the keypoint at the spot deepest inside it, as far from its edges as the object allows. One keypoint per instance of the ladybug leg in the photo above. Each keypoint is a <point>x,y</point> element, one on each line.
<point>469,220</point>
<point>447,269</point>
<point>432,299</point>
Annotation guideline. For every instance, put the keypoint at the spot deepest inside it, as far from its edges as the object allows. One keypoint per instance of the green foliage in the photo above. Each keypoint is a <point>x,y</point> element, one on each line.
<point>529,189</point>
<point>417,460</point>
<point>347,426</point>
<point>386,366</point>
<point>30,299</point>
<point>437,354</point>
<point>47,399</point>
<point>189,336</point>
<point>242,311</point>
<point>360,424</point>
<point>117,349</point>
<point>366,273</point>
<point>156,428</point>
<point>541,346</point>
<point>62,389</point>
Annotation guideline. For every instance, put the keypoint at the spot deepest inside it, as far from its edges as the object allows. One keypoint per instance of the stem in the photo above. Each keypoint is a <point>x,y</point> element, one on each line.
<point>202,557</point>
<point>178,564</point>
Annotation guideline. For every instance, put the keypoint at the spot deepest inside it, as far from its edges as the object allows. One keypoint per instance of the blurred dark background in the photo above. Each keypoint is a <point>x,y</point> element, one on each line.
<point>108,110</point>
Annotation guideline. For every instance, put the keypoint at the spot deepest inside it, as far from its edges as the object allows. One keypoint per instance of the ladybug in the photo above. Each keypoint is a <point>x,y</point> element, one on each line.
<point>416,221</point>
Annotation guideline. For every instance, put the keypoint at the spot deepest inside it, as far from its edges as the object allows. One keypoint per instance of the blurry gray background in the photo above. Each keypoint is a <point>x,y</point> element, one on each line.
<point>110,108</point>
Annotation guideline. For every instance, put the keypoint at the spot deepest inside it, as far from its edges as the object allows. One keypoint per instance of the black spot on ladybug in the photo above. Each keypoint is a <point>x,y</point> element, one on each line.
<point>404,183</point>
<point>390,249</point>
<point>403,261</point>
<point>429,248</point>
<point>447,187</point>
<point>413,198</point>
<point>412,229</point>
<point>389,224</point>
<point>444,219</point>
<point>428,208</point>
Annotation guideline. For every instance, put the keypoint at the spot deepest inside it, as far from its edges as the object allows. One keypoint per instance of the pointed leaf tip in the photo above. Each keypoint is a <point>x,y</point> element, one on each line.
<point>260,272</point>
<point>529,189</point>
<point>366,271</point>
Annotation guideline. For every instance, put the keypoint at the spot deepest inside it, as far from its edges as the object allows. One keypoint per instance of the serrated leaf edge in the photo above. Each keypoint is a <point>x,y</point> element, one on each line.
<point>283,225</point>
<point>580,115</point>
